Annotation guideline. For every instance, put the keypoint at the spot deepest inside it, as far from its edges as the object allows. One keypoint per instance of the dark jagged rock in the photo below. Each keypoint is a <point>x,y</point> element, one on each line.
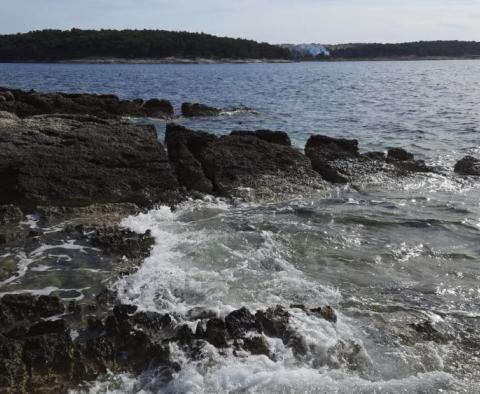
<point>240,322</point>
<point>20,307</point>
<point>377,156</point>
<point>257,345</point>
<point>184,149</point>
<point>338,160</point>
<point>428,332</point>
<point>31,103</point>
<point>47,327</point>
<point>399,154</point>
<point>332,148</point>
<point>468,166</point>
<point>405,161</point>
<point>122,242</point>
<point>216,333</point>
<point>158,108</point>
<point>195,109</point>
<point>44,353</point>
<point>74,162</point>
<point>323,151</point>
<point>8,267</point>
<point>274,322</point>
<point>326,312</point>
<point>235,162</point>
<point>274,137</point>
<point>10,214</point>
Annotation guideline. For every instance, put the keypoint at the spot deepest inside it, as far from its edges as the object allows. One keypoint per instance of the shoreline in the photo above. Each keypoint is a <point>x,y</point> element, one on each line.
<point>204,61</point>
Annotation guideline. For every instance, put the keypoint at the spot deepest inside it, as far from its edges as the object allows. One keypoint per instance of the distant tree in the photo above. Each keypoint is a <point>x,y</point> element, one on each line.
<point>54,45</point>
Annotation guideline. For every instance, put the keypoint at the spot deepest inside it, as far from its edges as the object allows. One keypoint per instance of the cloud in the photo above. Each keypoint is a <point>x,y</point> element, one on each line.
<point>327,21</point>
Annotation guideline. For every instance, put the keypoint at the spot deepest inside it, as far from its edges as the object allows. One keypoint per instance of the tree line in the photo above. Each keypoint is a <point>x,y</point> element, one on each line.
<point>56,45</point>
<point>420,49</point>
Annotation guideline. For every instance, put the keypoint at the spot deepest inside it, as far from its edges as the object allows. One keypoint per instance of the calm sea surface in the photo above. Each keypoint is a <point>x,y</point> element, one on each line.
<point>385,253</point>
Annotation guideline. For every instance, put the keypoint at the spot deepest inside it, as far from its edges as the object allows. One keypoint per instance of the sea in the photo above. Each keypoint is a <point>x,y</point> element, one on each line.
<point>385,253</point>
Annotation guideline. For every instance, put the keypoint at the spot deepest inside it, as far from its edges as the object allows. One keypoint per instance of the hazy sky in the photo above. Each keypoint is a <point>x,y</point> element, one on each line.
<point>276,21</point>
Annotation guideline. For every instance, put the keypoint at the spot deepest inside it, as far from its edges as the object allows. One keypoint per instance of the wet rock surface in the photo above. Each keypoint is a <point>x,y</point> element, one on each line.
<point>234,162</point>
<point>223,165</point>
<point>190,110</point>
<point>37,346</point>
<point>32,103</point>
<point>71,161</point>
<point>469,165</point>
<point>338,160</point>
<point>275,137</point>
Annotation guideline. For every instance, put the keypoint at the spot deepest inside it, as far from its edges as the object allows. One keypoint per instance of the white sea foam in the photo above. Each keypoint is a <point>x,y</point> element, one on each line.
<point>199,260</point>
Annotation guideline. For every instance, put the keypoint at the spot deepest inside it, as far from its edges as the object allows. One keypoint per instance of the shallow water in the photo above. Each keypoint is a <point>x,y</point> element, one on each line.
<point>385,253</point>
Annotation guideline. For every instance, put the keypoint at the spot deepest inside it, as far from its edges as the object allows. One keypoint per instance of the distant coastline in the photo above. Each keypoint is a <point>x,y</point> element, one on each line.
<point>205,61</point>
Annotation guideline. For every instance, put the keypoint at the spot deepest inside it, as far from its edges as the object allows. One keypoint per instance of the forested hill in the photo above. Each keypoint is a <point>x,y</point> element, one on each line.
<point>420,49</point>
<point>57,45</point>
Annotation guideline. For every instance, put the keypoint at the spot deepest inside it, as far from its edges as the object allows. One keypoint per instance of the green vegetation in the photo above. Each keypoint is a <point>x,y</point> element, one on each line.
<point>56,45</point>
<point>420,49</point>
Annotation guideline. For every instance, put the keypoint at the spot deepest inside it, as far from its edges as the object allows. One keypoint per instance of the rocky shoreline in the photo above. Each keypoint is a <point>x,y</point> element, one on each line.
<point>72,161</point>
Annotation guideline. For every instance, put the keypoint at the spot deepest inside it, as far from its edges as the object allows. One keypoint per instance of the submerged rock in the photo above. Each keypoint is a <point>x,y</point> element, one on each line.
<point>74,161</point>
<point>121,242</point>
<point>274,137</point>
<point>195,109</point>
<point>468,166</point>
<point>428,332</point>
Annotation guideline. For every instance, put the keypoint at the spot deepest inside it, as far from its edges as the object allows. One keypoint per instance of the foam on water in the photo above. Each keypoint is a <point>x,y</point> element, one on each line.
<point>197,263</point>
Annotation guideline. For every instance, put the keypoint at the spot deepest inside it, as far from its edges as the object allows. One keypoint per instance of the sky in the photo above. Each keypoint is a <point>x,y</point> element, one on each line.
<point>274,21</point>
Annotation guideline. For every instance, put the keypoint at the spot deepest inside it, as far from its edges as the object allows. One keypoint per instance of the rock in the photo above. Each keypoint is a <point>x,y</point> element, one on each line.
<point>274,137</point>
<point>48,327</point>
<point>7,118</point>
<point>274,322</point>
<point>10,214</point>
<point>7,95</point>
<point>42,354</point>
<point>184,147</point>
<point>405,161</point>
<point>239,322</point>
<point>323,151</point>
<point>8,267</point>
<point>122,242</point>
<point>193,110</point>
<point>257,345</point>
<point>399,154</point>
<point>31,103</point>
<point>235,162</point>
<point>468,166</point>
<point>177,136</point>
<point>428,332</point>
<point>216,333</point>
<point>76,162</point>
<point>378,156</point>
<point>21,307</point>
<point>123,310</point>
<point>326,312</point>
<point>158,108</point>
